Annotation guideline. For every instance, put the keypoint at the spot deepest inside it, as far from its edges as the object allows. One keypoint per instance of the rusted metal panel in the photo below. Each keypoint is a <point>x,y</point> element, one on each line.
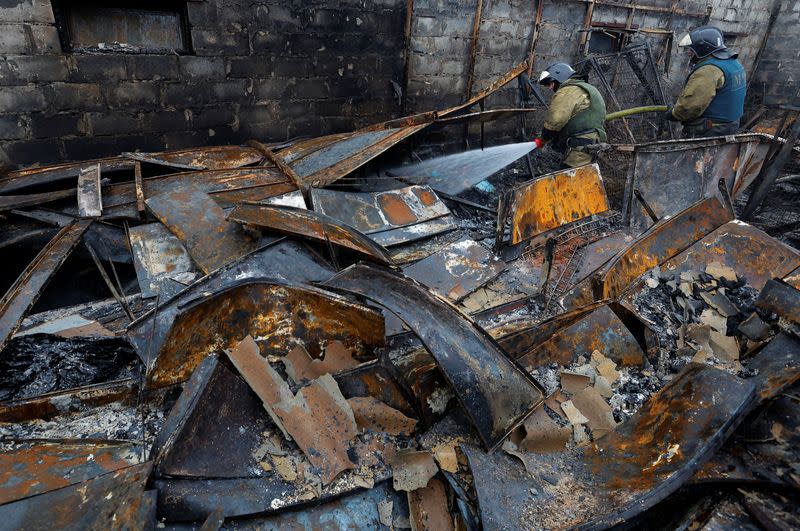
<point>90,198</point>
<point>778,366</point>
<point>376,380</point>
<point>750,252</point>
<point>334,161</point>
<point>554,200</point>
<point>35,468</point>
<point>161,261</point>
<point>50,405</point>
<point>389,218</point>
<point>116,497</point>
<point>661,242</point>
<point>310,224</point>
<point>10,202</point>
<point>192,216</point>
<point>30,177</point>
<point>25,291</point>
<point>280,316</point>
<point>645,459</point>
<point>225,186</point>
<point>674,174</point>
<point>283,261</point>
<point>781,299</point>
<point>793,278</point>
<point>202,158</point>
<point>566,337</point>
<point>292,199</point>
<point>208,453</point>
<point>457,270</point>
<point>496,394</point>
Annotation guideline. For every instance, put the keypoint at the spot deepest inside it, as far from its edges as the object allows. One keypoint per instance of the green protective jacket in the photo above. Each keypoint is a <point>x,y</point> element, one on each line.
<point>576,110</point>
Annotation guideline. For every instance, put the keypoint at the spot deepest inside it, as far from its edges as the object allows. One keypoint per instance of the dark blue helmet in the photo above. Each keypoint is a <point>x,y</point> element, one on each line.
<point>705,41</point>
<point>559,72</point>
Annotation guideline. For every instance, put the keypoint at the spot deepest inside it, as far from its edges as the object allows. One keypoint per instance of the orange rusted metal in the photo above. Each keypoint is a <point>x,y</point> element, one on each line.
<point>202,158</point>
<point>25,291</point>
<point>36,468</point>
<point>554,200</point>
<point>298,221</point>
<point>279,316</point>
<point>69,171</point>
<point>658,244</point>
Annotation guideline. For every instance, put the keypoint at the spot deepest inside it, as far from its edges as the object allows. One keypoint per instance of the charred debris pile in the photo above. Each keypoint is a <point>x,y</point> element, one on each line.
<point>258,336</point>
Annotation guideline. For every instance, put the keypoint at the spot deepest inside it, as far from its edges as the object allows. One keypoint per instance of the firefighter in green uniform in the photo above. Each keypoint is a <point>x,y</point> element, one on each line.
<point>712,100</point>
<point>576,116</point>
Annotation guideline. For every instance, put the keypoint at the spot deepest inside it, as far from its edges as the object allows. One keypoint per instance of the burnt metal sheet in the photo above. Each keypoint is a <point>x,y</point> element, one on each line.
<point>674,174</point>
<point>645,459</point>
<point>207,453</point>
<point>10,202</point>
<point>90,198</point>
<point>599,329</point>
<point>50,405</point>
<point>496,394</point>
<point>227,187</point>
<point>32,468</point>
<point>392,217</point>
<point>30,177</point>
<point>283,261</point>
<point>162,263</point>
<point>553,200</point>
<point>278,315</point>
<point>327,164</point>
<point>781,299</point>
<point>202,158</point>
<point>25,291</point>
<point>292,199</point>
<point>778,366</point>
<point>658,244</point>
<point>457,270</point>
<point>376,380</point>
<point>309,224</point>
<point>116,497</point>
<point>192,216</point>
<point>750,252</point>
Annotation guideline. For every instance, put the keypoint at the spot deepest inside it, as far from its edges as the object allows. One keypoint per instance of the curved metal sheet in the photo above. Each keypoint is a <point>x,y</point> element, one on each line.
<point>30,177</point>
<point>310,224</point>
<point>278,315</point>
<point>496,394</point>
<point>648,457</point>
<point>25,291</point>
<point>202,158</point>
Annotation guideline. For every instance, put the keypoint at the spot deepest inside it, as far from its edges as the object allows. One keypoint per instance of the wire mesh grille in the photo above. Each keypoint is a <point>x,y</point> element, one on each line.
<point>628,79</point>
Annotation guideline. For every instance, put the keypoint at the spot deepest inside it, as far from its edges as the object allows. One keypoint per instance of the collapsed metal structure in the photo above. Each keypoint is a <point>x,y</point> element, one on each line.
<point>290,348</point>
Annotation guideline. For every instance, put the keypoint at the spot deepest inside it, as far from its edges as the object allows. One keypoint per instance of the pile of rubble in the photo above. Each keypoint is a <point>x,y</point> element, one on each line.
<point>294,338</point>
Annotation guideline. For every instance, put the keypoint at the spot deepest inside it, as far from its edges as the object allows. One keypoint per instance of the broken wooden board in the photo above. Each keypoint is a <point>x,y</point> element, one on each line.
<point>457,270</point>
<point>90,198</point>
<point>388,218</point>
<point>496,394</point>
<point>163,265</point>
<point>308,224</point>
<point>552,200</point>
<point>25,291</point>
<point>192,216</point>
<point>280,315</point>
<point>645,459</point>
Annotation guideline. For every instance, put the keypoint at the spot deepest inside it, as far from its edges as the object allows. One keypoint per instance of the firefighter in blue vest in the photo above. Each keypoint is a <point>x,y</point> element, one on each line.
<point>712,100</point>
<point>576,116</point>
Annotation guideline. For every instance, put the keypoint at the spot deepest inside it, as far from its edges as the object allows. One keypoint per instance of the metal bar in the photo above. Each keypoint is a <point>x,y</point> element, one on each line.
<point>587,23</point>
<point>90,199</point>
<point>770,173</point>
<point>137,179</point>
<point>639,7</point>
<point>407,54</point>
<point>108,282</point>
<point>537,23</point>
<point>25,291</point>
<point>646,207</point>
<point>119,287</point>
<point>466,202</point>
<point>278,161</point>
<point>473,50</point>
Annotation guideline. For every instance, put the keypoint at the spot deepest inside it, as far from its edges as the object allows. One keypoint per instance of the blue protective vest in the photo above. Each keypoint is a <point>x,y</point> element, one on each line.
<point>728,104</point>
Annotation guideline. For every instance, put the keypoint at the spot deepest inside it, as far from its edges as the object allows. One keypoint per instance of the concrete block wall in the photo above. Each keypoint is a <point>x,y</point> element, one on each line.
<point>777,77</point>
<point>268,70</point>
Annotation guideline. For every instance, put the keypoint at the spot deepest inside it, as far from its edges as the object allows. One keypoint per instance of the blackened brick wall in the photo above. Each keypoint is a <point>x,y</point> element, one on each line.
<point>264,69</point>
<point>777,77</point>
